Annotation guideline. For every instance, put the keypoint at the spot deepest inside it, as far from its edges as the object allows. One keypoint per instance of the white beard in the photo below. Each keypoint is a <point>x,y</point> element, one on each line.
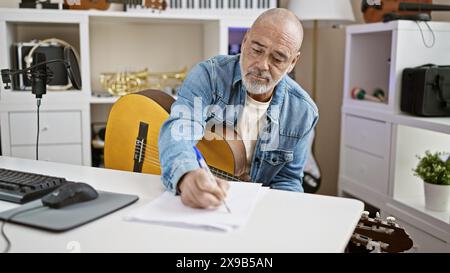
<point>255,87</point>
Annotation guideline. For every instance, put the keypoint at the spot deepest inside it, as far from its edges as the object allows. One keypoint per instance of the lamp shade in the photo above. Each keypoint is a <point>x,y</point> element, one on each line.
<point>338,11</point>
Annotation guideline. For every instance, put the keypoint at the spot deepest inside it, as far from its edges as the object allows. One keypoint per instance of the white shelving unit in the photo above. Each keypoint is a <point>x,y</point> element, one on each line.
<point>65,116</point>
<point>379,143</point>
<point>177,40</point>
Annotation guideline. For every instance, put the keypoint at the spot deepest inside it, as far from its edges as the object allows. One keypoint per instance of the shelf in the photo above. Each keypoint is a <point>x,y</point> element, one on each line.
<point>437,124</point>
<point>368,66</point>
<point>111,41</point>
<point>376,55</point>
<point>9,99</point>
<point>156,41</point>
<point>149,16</point>
<point>420,219</point>
<point>43,15</point>
<point>15,14</point>
<point>370,28</point>
<point>394,26</point>
<point>365,104</point>
<point>103,100</point>
<point>417,202</point>
<point>410,143</point>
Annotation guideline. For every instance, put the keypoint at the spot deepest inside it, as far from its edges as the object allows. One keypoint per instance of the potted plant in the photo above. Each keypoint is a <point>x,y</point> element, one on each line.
<point>434,169</point>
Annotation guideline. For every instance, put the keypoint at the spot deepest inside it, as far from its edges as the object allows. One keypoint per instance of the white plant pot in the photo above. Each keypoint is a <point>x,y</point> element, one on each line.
<point>437,196</point>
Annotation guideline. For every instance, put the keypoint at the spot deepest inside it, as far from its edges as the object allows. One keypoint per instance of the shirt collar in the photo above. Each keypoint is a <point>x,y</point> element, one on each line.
<point>276,104</point>
<point>237,71</point>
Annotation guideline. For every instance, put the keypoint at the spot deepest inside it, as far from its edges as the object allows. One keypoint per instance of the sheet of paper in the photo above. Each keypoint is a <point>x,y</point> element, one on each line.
<point>168,209</point>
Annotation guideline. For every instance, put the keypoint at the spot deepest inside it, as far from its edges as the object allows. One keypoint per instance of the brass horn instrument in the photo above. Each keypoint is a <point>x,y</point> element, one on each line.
<point>122,83</point>
<point>163,80</point>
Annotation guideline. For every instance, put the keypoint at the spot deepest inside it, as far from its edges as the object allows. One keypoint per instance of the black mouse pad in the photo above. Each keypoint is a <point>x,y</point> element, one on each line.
<point>63,219</point>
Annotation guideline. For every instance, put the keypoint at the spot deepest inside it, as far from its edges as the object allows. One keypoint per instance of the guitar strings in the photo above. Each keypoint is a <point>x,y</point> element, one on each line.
<point>215,171</point>
<point>151,150</point>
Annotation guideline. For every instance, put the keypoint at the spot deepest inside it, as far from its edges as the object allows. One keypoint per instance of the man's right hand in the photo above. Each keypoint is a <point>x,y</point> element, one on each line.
<point>198,191</point>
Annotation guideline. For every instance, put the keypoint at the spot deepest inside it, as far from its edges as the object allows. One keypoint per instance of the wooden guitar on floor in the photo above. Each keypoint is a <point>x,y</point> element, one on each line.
<point>132,131</point>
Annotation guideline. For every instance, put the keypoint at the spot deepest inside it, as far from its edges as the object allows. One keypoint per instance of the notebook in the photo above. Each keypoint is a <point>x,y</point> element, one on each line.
<point>168,209</point>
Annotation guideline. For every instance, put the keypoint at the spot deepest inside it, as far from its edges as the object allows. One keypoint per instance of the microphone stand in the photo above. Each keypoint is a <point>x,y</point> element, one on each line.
<point>40,77</point>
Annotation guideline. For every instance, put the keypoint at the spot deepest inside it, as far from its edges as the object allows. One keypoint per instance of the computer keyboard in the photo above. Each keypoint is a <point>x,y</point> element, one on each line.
<point>21,187</point>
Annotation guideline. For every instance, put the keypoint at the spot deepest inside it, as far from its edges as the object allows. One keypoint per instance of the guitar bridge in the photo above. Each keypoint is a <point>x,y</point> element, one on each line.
<point>139,148</point>
<point>139,151</point>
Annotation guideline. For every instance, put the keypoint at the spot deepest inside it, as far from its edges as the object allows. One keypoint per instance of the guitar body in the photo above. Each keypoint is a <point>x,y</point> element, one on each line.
<point>88,4</point>
<point>132,131</point>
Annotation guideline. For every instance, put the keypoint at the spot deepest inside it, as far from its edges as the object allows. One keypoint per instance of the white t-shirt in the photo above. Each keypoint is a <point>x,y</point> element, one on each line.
<point>250,122</point>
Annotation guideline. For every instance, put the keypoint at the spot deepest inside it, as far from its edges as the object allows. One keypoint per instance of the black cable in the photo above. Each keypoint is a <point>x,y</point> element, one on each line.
<point>37,133</point>
<point>26,70</point>
<point>423,37</point>
<point>8,242</point>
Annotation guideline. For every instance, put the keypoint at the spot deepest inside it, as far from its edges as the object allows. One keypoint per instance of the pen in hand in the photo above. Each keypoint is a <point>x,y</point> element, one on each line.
<point>201,161</point>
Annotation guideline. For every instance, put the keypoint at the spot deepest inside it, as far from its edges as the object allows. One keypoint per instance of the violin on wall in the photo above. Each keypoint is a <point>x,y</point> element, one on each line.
<point>376,10</point>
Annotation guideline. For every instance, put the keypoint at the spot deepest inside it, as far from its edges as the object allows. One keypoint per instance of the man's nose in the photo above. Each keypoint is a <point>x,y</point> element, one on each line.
<point>262,64</point>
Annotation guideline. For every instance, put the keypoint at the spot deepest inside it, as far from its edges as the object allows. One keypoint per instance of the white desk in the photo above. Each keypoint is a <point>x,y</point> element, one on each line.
<point>281,222</point>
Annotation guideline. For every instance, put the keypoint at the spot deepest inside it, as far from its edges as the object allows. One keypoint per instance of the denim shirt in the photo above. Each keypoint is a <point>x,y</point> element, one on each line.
<point>206,95</point>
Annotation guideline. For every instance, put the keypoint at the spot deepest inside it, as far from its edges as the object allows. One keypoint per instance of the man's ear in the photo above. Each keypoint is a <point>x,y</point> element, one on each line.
<point>294,62</point>
<point>244,40</point>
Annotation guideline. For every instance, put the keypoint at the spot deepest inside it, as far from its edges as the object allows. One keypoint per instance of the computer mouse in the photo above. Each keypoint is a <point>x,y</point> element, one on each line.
<point>69,194</point>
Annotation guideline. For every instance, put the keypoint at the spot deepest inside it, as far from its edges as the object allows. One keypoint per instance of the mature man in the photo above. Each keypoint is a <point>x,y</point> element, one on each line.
<point>275,115</point>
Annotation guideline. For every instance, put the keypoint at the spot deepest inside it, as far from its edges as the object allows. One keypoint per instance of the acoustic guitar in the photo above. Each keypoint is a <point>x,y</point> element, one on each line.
<point>379,235</point>
<point>375,10</point>
<point>105,4</point>
<point>132,131</point>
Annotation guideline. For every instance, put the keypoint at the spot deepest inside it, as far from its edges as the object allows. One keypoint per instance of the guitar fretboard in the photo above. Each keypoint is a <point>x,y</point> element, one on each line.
<point>224,175</point>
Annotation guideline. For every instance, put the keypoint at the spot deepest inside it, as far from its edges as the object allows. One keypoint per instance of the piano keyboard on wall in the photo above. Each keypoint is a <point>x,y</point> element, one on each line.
<point>213,7</point>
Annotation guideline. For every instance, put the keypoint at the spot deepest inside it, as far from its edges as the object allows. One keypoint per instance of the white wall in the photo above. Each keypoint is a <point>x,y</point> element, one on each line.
<point>9,3</point>
<point>143,46</point>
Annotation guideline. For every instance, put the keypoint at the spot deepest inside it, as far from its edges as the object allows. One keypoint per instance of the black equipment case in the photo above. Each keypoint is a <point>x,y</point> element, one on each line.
<point>426,91</point>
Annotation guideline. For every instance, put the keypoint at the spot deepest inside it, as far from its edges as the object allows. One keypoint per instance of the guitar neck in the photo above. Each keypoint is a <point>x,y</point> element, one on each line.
<point>224,175</point>
<point>422,7</point>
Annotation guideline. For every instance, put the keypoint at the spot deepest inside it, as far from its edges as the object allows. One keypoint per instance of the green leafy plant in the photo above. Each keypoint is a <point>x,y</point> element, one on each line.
<point>434,168</point>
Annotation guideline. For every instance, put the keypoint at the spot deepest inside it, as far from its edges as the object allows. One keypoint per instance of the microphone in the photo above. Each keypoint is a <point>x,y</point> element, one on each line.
<point>39,75</point>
